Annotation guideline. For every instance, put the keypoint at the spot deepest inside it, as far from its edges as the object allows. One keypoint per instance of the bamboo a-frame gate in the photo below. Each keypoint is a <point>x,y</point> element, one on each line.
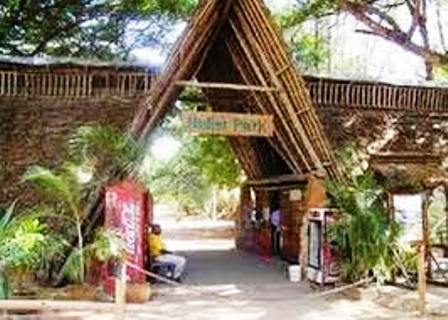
<point>235,42</point>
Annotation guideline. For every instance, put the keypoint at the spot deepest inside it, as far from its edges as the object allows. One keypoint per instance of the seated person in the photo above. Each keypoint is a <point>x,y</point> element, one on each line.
<point>158,253</point>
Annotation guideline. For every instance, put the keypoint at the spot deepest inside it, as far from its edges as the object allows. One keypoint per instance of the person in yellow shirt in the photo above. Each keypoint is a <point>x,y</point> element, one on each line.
<point>158,252</point>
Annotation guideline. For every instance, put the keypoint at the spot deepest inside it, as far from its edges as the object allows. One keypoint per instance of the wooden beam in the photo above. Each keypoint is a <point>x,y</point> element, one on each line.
<point>279,187</point>
<point>291,178</point>
<point>226,86</point>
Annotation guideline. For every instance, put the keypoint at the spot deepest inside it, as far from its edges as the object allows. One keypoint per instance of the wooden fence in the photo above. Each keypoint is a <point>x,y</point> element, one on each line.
<point>378,96</point>
<point>75,85</point>
<point>324,92</point>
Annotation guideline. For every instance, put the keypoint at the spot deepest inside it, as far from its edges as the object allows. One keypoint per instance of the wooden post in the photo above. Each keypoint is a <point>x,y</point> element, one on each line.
<point>445,251</point>
<point>426,231</point>
<point>314,198</point>
<point>120,294</point>
<point>421,278</point>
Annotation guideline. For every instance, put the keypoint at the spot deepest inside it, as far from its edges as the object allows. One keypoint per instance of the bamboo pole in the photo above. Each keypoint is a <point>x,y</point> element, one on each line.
<point>290,159</point>
<point>226,86</point>
<point>298,136</point>
<point>421,278</point>
<point>195,42</point>
<point>281,132</point>
<point>292,82</point>
<point>120,294</point>
<point>2,83</point>
<point>278,180</point>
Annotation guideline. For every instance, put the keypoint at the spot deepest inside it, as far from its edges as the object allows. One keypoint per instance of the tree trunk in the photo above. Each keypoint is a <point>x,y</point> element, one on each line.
<point>429,66</point>
<point>80,248</point>
<point>382,24</point>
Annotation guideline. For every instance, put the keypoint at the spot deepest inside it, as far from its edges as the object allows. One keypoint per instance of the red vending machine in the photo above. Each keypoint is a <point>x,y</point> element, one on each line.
<point>128,209</point>
<point>323,265</point>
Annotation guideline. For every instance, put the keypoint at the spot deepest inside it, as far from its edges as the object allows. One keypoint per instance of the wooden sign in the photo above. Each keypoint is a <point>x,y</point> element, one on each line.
<point>228,124</point>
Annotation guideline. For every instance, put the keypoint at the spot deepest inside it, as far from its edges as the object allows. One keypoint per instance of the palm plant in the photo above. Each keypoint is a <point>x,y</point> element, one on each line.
<point>63,188</point>
<point>107,246</point>
<point>366,238</point>
<point>364,235</point>
<point>106,149</point>
<point>98,154</point>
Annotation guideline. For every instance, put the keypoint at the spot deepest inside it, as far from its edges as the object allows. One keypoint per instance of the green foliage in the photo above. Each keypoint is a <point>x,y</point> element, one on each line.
<point>178,180</point>
<point>86,28</point>
<point>438,216</point>
<point>97,152</point>
<point>309,51</point>
<point>364,235</point>
<point>61,186</point>
<point>306,10</point>
<point>202,163</point>
<point>107,246</point>
<point>22,239</point>
<point>105,148</point>
<point>441,72</point>
<point>214,157</point>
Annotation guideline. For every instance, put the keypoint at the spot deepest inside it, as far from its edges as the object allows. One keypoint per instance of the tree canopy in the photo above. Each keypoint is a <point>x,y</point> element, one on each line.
<point>86,28</point>
<point>384,19</point>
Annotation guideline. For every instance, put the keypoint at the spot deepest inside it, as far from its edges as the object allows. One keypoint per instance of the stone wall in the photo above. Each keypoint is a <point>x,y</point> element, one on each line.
<point>35,131</point>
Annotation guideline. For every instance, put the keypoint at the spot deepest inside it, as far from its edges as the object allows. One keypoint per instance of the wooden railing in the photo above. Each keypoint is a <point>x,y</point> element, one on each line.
<point>324,92</point>
<point>378,96</point>
<point>73,85</point>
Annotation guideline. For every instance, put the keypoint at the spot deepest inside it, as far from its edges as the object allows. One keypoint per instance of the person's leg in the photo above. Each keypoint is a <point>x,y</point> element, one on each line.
<point>178,261</point>
<point>273,243</point>
<point>278,241</point>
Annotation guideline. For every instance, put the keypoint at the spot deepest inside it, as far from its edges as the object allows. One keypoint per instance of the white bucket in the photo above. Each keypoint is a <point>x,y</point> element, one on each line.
<point>295,273</point>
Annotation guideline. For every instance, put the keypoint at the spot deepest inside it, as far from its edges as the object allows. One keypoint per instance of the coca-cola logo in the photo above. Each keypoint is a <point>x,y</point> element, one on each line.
<point>130,215</point>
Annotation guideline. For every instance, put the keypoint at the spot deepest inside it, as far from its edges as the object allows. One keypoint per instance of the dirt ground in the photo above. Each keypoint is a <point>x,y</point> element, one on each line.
<point>229,284</point>
<point>223,283</point>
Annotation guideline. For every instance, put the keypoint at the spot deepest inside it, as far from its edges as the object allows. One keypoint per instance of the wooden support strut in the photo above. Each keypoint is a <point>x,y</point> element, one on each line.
<point>226,86</point>
<point>292,178</point>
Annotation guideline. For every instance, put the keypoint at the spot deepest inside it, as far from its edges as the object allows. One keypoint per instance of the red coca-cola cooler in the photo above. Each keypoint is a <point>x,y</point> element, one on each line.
<point>323,258</point>
<point>128,209</point>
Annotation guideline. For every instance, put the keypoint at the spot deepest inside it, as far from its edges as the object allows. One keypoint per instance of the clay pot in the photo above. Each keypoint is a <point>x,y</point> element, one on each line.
<point>138,292</point>
<point>21,280</point>
<point>80,292</point>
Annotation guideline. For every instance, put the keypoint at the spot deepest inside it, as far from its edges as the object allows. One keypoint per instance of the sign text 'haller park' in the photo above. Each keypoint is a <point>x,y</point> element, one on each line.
<point>228,124</point>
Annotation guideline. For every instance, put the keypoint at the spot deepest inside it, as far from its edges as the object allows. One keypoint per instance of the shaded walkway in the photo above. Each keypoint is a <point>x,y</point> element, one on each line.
<point>234,285</point>
<point>223,283</point>
<point>229,267</point>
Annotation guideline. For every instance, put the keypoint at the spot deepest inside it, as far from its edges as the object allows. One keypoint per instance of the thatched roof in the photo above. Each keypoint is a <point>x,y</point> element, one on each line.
<point>410,171</point>
<point>231,41</point>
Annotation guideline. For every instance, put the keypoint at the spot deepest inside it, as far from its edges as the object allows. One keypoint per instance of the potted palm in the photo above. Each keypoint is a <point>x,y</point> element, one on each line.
<point>107,247</point>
